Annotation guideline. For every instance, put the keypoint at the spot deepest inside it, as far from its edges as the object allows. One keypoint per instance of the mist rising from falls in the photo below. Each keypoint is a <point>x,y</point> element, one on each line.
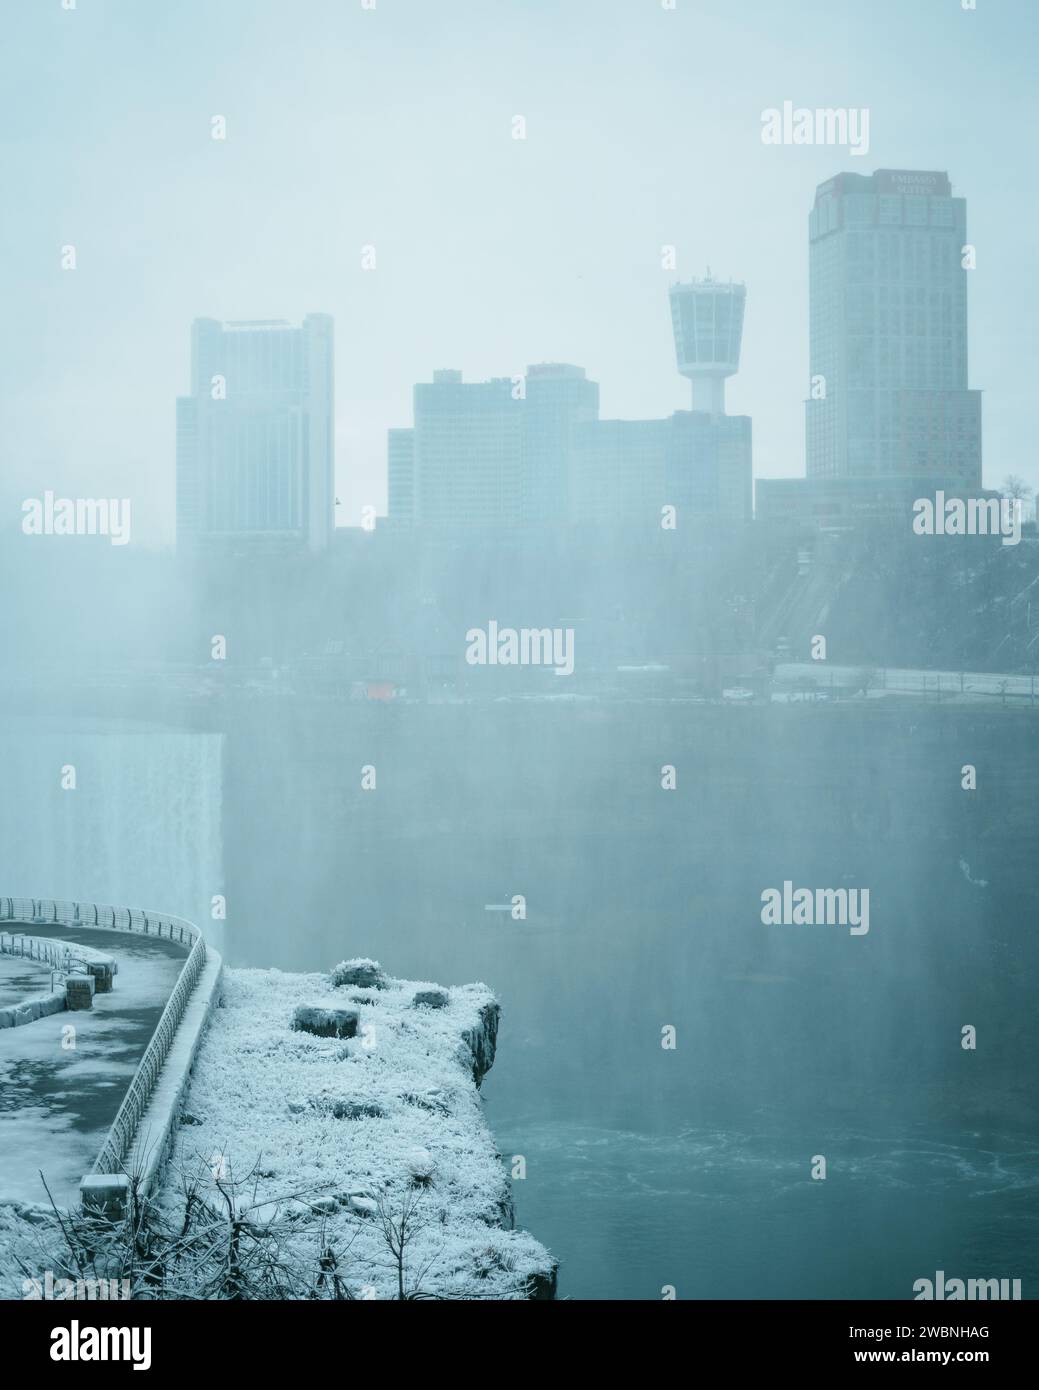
<point>141,828</point>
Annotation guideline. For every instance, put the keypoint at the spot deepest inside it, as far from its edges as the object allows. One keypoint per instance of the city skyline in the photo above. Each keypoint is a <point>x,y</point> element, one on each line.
<point>488,282</point>
<point>705,353</point>
<point>534,450</point>
<point>889,404</point>
<point>890,396</point>
<point>518,550</point>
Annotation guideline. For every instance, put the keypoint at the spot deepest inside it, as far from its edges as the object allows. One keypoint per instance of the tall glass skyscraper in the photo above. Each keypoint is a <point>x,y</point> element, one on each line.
<point>888,329</point>
<point>255,438</point>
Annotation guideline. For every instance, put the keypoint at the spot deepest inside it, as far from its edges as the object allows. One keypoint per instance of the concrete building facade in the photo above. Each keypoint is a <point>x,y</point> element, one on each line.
<point>255,436</point>
<point>888,331</point>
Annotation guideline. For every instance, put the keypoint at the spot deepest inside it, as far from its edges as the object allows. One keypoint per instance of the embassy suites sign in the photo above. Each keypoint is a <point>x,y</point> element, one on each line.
<point>919,183</point>
<point>914,183</point>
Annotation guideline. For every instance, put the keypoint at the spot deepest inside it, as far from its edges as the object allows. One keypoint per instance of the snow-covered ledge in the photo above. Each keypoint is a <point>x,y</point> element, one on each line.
<point>156,1132</point>
<point>341,1129</point>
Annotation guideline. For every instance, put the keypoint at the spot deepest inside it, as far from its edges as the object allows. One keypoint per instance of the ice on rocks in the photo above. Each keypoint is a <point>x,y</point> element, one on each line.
<point>355,1129</point>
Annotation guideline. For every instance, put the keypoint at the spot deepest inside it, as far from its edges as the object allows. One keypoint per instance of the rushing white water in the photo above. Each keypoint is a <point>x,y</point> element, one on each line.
<point>142,826</point>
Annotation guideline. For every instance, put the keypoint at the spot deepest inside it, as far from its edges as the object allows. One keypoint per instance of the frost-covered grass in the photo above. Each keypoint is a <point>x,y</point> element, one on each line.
<point>314,1167</point>
<point>342,1138</point>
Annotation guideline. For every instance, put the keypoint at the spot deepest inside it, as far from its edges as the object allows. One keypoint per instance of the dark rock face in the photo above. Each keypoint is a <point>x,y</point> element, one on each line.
<point>482,1041</point>
<point>325,1023</point>
<point>507,1210</point>
<point>431,999</point>
<point>542,1287</point>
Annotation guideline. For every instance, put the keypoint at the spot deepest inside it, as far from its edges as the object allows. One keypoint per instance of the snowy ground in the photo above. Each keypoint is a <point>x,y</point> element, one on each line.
<point>326,1142</point>
<point>342,1132</point>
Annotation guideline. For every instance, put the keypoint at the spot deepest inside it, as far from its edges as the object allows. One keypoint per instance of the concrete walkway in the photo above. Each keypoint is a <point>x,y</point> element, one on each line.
<point>59,1091</point>
<point>20,979</point>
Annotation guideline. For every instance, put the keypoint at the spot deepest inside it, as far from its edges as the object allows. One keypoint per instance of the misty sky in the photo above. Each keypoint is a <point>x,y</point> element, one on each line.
<point>392,127</point>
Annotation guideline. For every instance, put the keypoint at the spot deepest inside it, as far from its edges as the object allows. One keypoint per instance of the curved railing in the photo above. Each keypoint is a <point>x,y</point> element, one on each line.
<point>138,1093</point>
<point>40,911</point>
<point>31,948</point>
<point>58,912</point>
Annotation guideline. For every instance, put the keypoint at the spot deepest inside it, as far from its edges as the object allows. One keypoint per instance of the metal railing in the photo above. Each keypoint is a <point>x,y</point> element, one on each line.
<point>977,686</point>
<point>60,955</point>
<point>32,948</point>
<point>58,912</point>
<point>40,911</point>
<point>124,1127</point>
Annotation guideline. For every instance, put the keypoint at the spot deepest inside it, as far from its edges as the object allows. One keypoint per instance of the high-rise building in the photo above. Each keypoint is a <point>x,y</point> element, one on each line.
<point>400,477</point>
<point>467,452</point>
<point>489,453</point>
<point>533,451</point>
<point>559,401</point>
<point>255,437</point>
<point>888,332</point>
<point>709,465</point>
<point>618,468</point>
<point>699,463</point>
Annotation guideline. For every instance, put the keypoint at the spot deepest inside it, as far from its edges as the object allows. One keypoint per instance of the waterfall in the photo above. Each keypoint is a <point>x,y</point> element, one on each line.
<point>141,827</point>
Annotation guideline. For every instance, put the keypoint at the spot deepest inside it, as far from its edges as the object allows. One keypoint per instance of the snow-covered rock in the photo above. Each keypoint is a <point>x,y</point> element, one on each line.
<point>356,1131</point>
<point>481,1040</point>
<point>325,1023</point>
<point>431,999</point>
<point>361,972</point>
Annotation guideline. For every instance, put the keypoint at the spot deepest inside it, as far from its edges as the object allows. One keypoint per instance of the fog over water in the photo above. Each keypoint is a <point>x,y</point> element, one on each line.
<point>144,828</point>
<point>643,1167</point>
<point>515,453</point>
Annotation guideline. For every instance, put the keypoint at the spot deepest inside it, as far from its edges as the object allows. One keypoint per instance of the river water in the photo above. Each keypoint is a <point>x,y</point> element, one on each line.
<point>644,1168</point>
